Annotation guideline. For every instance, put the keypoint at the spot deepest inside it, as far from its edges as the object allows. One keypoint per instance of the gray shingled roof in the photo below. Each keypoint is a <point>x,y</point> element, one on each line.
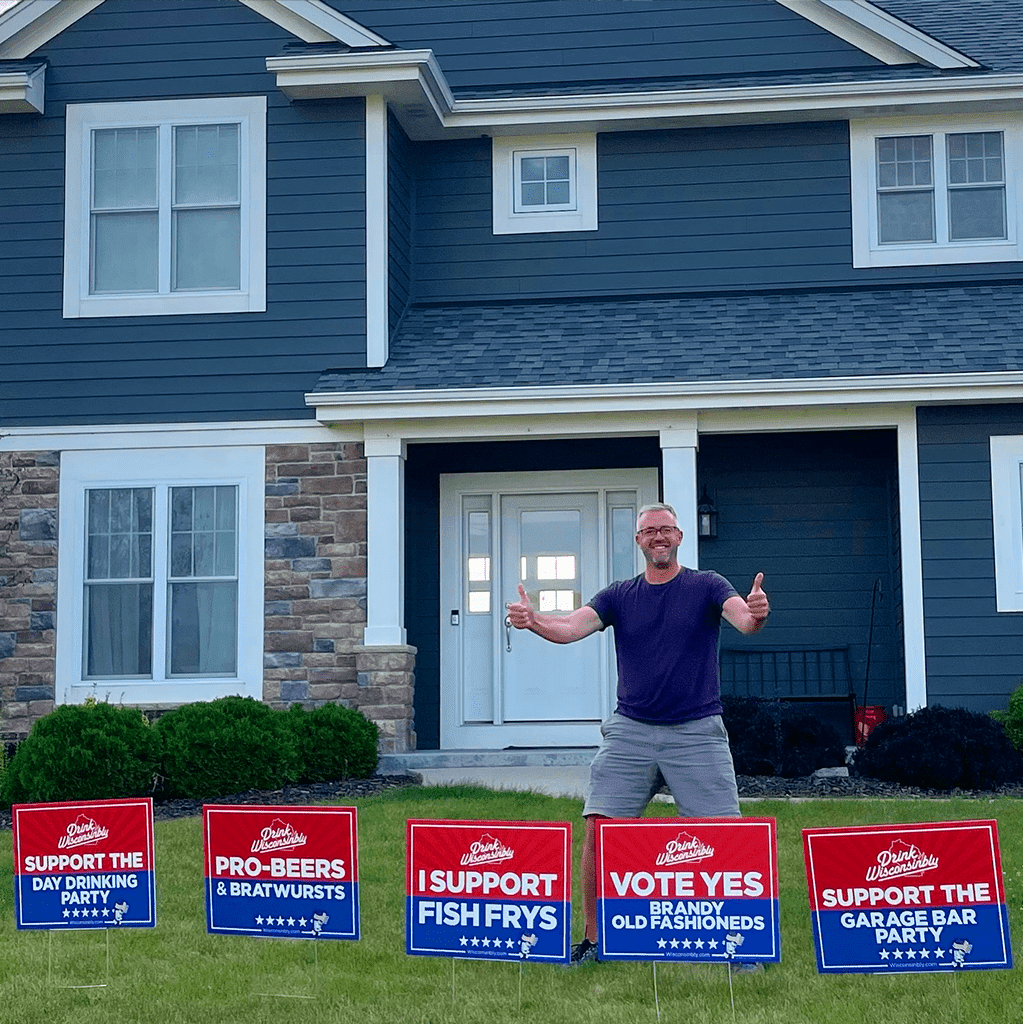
<point>700,338</point>
<point>989,31</point>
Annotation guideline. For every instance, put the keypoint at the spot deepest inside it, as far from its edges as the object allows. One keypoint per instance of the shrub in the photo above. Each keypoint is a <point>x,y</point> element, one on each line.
<point>91,751</point>
<point>941,748</point>
<point>772,737</point>
<point>334,742</point>
<point>229,745</point>
<point>1012,718</point>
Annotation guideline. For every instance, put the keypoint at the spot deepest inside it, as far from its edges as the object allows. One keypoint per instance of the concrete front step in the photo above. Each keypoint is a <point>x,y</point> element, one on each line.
<point>531,757</point>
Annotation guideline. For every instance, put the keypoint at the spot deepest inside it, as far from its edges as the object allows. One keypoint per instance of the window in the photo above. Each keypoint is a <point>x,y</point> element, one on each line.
<point>545,183</point>
<point>1007,503</point>
<point>165,207</point>
<point>923,195</point>
<point>162,557</point>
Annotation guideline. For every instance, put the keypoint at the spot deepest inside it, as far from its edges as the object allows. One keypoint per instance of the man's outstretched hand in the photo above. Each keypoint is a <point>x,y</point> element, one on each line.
<point>757,601</point>
<point>521,612</point>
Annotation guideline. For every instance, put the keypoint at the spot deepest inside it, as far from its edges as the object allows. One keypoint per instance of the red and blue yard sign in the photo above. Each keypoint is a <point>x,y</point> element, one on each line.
<point>688,889</point>
<point>84,864</point>
<point>888,899</point>
<point>281,872</point>
<point>485,890</point>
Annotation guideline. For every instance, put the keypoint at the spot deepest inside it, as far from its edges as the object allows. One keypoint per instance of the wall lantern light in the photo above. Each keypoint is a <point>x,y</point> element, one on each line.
<point>706,516</point>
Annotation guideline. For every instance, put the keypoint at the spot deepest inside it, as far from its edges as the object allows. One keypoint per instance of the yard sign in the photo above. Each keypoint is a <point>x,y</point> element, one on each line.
<point>84,864</point>
<point>486,890</point>
<point>889,899</point>
<point>281,872</point>
<point>688,889</point>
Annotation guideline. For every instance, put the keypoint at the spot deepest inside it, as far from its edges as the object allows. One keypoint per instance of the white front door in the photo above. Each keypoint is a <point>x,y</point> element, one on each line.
<point>563,535</point>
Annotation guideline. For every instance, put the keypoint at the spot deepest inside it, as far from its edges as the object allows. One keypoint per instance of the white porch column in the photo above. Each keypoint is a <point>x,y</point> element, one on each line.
<point>912,563</point>
<point>385,541</point>
<point>678,459</point>
<point>377,327</point>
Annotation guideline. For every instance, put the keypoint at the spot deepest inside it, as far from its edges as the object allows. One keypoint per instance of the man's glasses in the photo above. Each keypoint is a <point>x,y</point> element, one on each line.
<point>657,531</point>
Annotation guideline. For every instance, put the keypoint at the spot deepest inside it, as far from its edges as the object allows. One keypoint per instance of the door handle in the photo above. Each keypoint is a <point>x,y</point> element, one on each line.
<point>507,632</point>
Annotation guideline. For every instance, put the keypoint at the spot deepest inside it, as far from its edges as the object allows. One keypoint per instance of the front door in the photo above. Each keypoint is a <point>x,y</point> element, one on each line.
<point>563,536</point>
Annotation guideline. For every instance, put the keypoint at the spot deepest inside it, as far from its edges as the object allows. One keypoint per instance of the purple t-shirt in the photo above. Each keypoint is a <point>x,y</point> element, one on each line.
<point>666,637</point>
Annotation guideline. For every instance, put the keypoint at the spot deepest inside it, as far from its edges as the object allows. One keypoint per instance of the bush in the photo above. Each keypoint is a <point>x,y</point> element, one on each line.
<point>334,742</point>
<point>941,748</point>
<point>91,751</point>
<point>1012,718</point>
<point>229,745</point>
<point>772,737</point>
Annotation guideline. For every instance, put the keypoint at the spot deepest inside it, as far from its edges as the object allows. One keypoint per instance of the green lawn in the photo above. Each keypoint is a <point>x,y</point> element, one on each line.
<point>177,972</point>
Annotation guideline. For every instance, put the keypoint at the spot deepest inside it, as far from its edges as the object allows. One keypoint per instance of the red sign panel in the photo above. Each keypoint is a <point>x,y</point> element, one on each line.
<point>489,890</point>
<point>84,864</point>
<point>286,872</point>
<point>689,889</point>
<point>907,898</point>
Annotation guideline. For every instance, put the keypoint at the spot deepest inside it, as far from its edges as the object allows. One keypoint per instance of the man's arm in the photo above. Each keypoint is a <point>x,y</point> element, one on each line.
<point>749,615</point>
<point>559,629</point>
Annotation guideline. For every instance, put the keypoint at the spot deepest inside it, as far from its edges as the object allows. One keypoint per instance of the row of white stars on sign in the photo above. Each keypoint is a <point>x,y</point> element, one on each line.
<point>687,944</point>
<point>95,912</point>
<point>912,954</point>
<point>270,921</point>
<point>486,943</point>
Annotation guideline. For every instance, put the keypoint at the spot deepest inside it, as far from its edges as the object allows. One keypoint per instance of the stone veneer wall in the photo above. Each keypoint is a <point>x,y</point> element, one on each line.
<point>316,592</point>
<point>28,588</point>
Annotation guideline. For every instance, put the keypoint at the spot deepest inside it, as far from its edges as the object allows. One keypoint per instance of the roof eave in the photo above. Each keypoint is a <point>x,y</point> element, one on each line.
<point>23,92</point>
<point>670,397</point>
<point>414,85</point>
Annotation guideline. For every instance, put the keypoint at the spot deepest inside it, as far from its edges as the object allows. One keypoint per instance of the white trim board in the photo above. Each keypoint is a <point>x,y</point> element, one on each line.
<point>100,437</point>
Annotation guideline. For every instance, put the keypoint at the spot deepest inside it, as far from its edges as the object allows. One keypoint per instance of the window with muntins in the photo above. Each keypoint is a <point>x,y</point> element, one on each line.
<point>164,562</point>
<point>165,207</point>
<point>545,184</point>
<point>934,196</point>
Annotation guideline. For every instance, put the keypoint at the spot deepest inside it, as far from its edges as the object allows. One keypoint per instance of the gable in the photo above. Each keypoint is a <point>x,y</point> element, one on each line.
<point>31,24</point>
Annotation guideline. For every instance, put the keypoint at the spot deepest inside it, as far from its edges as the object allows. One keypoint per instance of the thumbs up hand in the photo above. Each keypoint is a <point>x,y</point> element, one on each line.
<point>521,611</point>
<point>757,601</point>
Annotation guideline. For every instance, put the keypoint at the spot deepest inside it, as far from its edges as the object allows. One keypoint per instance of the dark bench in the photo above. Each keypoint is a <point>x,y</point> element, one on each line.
<point>812,676</point>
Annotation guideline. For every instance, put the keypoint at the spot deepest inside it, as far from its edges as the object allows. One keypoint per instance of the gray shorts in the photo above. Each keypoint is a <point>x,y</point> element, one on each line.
<point>635,758</point>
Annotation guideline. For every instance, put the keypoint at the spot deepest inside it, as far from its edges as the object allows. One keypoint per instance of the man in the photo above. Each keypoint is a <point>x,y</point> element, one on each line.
<point>668,722</point>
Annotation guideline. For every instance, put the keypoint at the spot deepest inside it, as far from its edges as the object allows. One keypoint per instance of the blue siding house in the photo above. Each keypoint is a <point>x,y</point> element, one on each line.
<point>325,323</point>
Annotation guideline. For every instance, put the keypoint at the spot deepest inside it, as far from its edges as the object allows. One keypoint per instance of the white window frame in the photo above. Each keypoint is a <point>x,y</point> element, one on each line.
<point>249,112</point>
<point>868,252</point>
<point>81,471</point>
<point>580,214</point>
<point>1007,507</point>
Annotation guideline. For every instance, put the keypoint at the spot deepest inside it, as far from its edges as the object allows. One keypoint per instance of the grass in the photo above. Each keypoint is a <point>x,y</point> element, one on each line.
<point>178,973</point>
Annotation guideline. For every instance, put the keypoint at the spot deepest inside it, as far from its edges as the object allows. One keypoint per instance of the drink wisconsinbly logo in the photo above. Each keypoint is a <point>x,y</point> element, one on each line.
<point>684,849</point>
<point>278,835</point>
<point>83,831</point>
<point>487,850</point>
<point>901,860</point>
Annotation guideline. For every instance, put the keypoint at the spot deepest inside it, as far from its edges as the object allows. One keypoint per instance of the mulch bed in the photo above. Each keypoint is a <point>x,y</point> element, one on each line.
<point>763,786</point>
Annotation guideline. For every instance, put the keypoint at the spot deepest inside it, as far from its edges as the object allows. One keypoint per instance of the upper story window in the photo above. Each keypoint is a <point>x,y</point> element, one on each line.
<point>545,183</point>
<point>165,207</point>
<point>926,194</point>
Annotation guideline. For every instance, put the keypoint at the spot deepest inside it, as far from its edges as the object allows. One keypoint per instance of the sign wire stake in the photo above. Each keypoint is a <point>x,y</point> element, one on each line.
<point>731,990</point>
<point>49,962</point>
<point>453,959</point>
<point>657,1004</point>
<point>520,986</point>
<point>955,987</point>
